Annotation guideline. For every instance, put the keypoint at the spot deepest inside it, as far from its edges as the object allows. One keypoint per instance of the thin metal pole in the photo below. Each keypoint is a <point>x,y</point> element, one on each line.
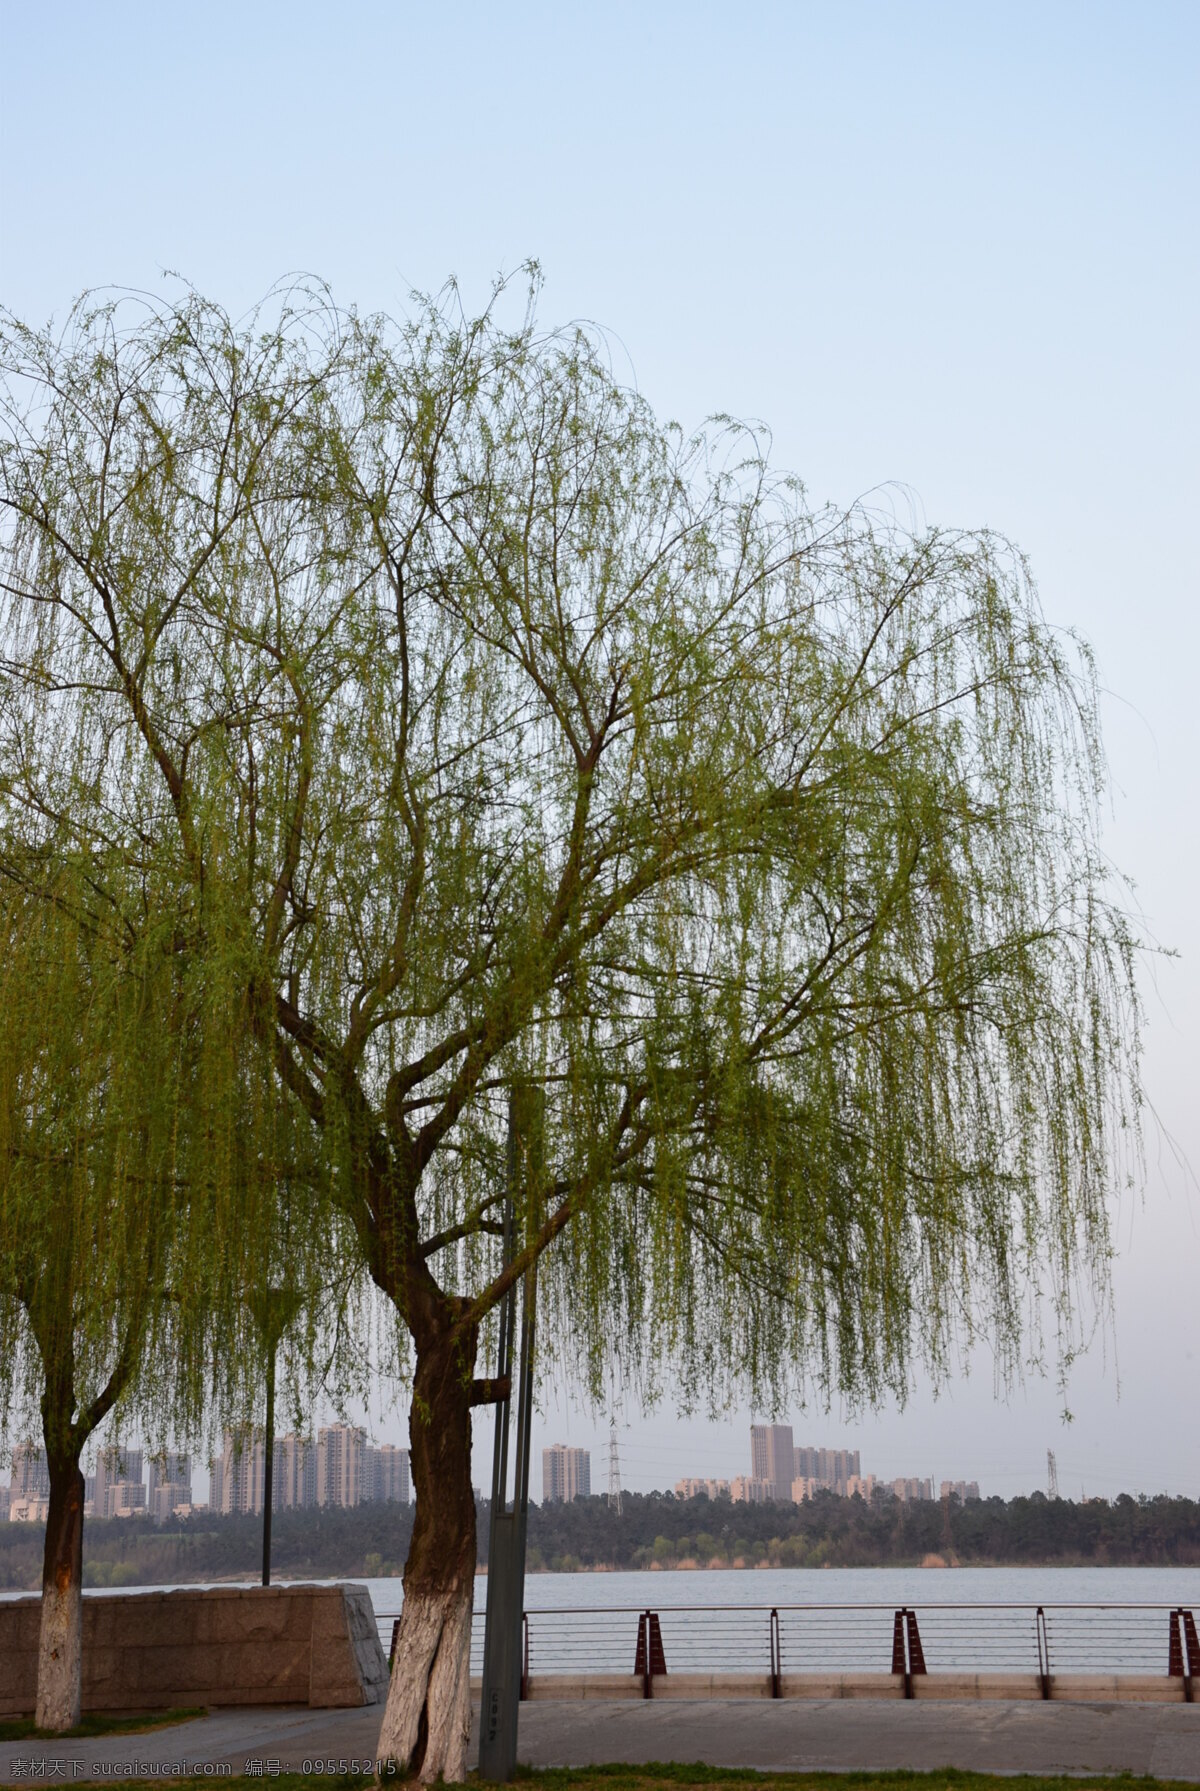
<point>506,1636</point>
<point>269,1463</point>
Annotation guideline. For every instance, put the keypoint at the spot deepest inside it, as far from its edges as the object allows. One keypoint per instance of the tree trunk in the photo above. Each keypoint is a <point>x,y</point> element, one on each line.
<point>60,1646</point>
<point>427,1722</point>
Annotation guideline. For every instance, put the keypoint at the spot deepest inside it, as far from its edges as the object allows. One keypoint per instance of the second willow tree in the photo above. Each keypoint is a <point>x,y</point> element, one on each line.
<point>94,1050</point>
<point>522,742</point>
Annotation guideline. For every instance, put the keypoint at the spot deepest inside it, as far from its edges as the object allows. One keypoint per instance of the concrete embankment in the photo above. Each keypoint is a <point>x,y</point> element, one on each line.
<point>315,1645</point>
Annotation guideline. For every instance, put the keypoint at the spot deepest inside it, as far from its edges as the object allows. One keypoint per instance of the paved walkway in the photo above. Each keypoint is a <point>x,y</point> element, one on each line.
<point>1162,1740</point>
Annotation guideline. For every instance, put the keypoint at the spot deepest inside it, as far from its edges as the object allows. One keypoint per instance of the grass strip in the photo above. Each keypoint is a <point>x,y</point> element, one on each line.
<point>672,1776</point>
<point>23,1728</point>
<point>676,1777</point>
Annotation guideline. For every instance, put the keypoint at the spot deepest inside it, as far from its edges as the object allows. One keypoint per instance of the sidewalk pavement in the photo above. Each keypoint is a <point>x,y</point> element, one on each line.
<point>1159,1740</point>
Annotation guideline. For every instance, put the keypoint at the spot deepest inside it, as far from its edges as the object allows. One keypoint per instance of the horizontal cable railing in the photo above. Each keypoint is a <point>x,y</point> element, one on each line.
<point>783,1640</point>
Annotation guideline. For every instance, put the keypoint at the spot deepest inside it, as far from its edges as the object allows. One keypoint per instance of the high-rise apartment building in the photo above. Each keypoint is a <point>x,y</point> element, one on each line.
<point>127,1498</point>
<point>907,1490</point>
<point>341,1464</point>
<point>170,1484</point>
<point>698,1489</point>
<point>962,1490</point>
<point>566,1474</point>
<point>294,1473</point>
<point>29,1494</point>
<point>238,1483</point>
<point>117,1488</point>
<point>30,1473</point>
<point>748,1489</point>
<point>386,1475</point>
<point>772,1458</point>
<point>830,1468</point>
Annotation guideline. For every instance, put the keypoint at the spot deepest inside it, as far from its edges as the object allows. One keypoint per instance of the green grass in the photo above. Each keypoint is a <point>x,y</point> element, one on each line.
<point>23,1728</point>
<point>672,1777</point>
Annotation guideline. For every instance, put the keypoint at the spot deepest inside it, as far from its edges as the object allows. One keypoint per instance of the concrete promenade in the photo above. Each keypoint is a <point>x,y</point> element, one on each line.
<point>1162,1740</point>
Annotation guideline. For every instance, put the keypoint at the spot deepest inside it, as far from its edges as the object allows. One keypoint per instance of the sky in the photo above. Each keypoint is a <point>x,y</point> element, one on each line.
<point>949,248</point>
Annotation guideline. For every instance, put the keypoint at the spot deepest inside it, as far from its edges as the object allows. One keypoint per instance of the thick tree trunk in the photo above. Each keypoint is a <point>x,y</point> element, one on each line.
<point>60,1647</point>
<point>427,1722</point>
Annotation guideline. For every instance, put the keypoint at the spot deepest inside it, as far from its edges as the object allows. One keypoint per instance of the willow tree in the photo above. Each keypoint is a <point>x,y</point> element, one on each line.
<point>141,1178</point>
<point>143,1158</point>
<point>89,1073</point>
<point>536,745</point>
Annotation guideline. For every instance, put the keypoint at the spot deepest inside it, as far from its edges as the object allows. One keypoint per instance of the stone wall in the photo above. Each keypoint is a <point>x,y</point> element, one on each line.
<point>315,1645</point>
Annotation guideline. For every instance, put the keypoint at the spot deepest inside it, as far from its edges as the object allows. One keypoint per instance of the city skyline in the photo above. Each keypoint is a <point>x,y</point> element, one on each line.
<point>786,1473</point>
<point>337,1467</point>
<point>308,1475</point>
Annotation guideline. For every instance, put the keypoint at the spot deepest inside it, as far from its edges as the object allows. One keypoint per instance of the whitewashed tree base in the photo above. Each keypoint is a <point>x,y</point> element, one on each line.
<point>60,1657</point>
<point>431,1676</point>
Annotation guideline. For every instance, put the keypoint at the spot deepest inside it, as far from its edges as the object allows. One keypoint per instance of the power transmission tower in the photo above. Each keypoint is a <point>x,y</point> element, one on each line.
<point>614,1469</point>
<point>1052,1473</point>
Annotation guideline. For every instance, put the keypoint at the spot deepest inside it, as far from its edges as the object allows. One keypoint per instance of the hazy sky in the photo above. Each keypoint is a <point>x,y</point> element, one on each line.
<point>951,246</point>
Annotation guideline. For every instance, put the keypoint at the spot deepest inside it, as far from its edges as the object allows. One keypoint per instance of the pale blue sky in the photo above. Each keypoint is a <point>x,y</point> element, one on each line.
<point>949,245</point>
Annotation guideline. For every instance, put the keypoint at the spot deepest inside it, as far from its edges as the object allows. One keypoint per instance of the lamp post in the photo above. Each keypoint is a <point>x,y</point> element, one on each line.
<point>272,1309</point>
<point>508,1524</point>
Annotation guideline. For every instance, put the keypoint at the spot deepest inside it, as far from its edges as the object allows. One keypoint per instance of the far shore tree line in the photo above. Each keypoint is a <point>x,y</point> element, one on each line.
<point>654,1531</point>
<point>431,787</point>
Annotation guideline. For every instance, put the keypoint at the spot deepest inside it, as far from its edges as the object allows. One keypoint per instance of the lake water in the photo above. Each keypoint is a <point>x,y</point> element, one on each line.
<point>840,1585</point>
<point>830,1619</point>
<point>826,1585</point>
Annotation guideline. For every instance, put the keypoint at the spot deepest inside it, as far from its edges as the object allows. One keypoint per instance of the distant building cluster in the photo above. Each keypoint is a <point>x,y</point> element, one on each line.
<point>702,1489</point>
<point>116,1489</point>
<point>566,1474</point>
<point>339,1468</point>
<point>784,1474</point>
<point>912,1489</point>
<point>29,1489</point>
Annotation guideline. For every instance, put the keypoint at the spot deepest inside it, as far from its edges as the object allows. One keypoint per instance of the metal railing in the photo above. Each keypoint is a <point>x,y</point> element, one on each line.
<point>777,1641</point>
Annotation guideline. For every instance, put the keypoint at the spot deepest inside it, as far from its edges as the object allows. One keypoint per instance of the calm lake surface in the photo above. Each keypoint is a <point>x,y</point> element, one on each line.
<point>735,1635</point>
<point>843,1585</point>
<point>826,1585</point>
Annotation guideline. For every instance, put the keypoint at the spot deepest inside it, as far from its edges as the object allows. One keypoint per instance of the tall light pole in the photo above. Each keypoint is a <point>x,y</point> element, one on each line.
<point>272,1309</point>
<point>508,1523</point>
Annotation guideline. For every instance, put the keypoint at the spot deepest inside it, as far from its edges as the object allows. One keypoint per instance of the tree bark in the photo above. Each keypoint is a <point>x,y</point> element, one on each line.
<point>60,1646</point>
<point>427,1721</point>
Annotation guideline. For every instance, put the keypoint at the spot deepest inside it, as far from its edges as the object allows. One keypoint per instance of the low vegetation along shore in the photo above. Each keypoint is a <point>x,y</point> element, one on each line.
<point>655,1530</point>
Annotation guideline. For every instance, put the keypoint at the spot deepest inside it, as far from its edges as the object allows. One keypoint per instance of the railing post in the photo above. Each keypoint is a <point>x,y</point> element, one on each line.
<point>524,1655</point>
<point>776,1665</point>
<point>916,1654</point>
<point>899,1660</point>
<point>1191,1652</point>
<point>643,1660</point>
<point>1043,1648</point>
<point>1175,1646</point>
